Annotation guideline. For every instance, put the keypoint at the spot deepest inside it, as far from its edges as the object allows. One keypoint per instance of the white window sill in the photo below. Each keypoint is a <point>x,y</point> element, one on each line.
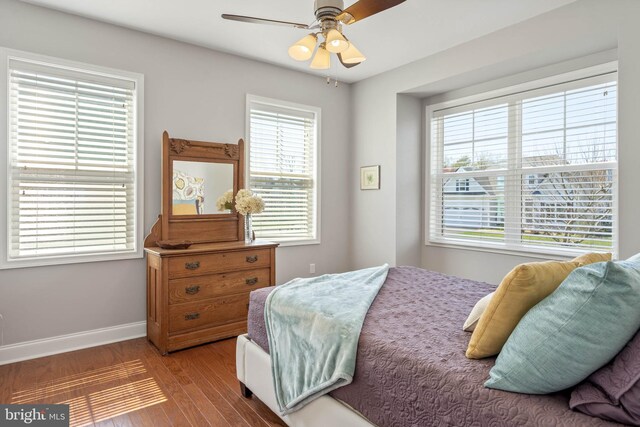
<point>539,254</point>
<point>286,243</point>
<point>68,259</point>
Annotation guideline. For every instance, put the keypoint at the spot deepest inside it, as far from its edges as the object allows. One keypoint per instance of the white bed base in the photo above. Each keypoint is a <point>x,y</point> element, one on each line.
<point>253,366</point>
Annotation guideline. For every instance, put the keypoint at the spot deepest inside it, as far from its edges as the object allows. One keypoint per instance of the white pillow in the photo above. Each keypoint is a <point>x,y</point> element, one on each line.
<point>478,309</point>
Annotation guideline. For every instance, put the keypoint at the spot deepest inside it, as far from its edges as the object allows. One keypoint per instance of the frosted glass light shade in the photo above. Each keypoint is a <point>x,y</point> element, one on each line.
<point>352,55</point>
<point>322,59</point>
<point>336,42</point>
<point>303,48</point>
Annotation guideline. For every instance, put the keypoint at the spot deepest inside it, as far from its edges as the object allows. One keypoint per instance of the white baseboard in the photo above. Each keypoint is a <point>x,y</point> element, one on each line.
<point>63,343</point>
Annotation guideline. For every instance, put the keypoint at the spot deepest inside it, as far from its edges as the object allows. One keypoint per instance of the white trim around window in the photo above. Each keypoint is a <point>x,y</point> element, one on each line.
<point>541,160</point>
<point>37,91</point>
<point>304,218</point>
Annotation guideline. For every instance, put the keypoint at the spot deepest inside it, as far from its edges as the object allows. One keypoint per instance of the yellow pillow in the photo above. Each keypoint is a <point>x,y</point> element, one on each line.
<point>592,257</point>
<point>525,286</point>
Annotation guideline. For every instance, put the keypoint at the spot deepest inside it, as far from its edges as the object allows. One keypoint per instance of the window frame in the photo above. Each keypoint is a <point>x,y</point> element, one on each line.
<point>483,99</point>
<point>250,98</point>
<point>6,55</point>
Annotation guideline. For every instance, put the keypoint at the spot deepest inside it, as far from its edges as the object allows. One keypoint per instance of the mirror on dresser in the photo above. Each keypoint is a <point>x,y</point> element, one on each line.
<point>200,293</point>
<point>197,186</point>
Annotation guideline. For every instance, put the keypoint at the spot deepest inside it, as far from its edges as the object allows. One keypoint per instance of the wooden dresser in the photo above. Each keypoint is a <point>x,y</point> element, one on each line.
<point>201,294</point>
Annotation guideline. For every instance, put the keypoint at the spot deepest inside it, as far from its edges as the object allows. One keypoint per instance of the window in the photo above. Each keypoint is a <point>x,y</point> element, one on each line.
<point>73,166</point>
<point>540,165</point>
<point>283,169</point>
<point>462,185</point>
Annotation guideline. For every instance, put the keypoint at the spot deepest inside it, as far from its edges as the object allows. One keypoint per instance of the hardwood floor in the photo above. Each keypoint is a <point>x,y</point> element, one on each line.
<point>130,384</point>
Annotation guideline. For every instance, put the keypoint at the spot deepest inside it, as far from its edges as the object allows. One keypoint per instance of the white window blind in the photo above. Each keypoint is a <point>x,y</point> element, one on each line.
<point>283,146</point>
<point>533,171</point>
<point>72,174</point>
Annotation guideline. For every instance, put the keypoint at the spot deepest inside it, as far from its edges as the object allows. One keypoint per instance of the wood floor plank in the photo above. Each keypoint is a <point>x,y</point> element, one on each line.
<point>145,394</point>
<point>173,390</point>
<point>35,374</point>
<point>210,412</point>
<point>68,385</point>
<point>223,368</point>
<point>170,407</point>
<point>225,354</point>
<point>133,352</point>
<point>9,381</point>
<point>104,383</point>
<point>230,413</point>
<point>6,378</point>
<point>249,408</point>
<point>129,384</point>
<point>122,421</point>
<point>217,368</point>
<point>142,417</point>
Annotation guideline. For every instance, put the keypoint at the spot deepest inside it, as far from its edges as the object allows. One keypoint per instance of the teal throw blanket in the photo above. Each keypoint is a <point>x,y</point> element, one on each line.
<point>313,326</point>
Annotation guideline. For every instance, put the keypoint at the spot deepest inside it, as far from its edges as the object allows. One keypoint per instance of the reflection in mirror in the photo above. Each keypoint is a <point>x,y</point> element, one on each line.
<point>197,186</point>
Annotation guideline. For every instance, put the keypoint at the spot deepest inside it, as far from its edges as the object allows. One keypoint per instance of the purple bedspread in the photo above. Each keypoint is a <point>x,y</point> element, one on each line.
<point>411,369</point>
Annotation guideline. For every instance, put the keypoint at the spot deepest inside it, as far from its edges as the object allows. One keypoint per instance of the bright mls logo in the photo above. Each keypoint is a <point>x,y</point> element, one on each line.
<point>34,415</point>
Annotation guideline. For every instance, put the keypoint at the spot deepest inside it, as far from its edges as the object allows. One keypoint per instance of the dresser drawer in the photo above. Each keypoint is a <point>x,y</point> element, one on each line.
<point>214,285</point>
<point>214,312</point>
<point>195,265</point>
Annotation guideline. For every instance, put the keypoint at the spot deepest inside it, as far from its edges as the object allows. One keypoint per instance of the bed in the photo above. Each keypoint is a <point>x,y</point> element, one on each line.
<point>411,369</point>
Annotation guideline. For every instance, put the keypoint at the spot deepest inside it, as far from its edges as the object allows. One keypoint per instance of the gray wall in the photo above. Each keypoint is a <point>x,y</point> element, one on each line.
<point>408,167</point>
<point>193,93</point>
<point>580,29</point>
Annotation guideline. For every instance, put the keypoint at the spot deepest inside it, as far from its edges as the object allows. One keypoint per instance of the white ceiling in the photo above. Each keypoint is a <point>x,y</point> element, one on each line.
<point>411,31</point>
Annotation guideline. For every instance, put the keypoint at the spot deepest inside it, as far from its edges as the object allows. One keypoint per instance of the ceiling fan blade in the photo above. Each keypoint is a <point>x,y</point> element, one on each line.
<point>365,8</point>
<point>345,64</point>
<point>253,20</point>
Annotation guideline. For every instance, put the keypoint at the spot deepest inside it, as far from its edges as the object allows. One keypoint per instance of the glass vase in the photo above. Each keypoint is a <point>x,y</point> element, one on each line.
<point>248,229</point>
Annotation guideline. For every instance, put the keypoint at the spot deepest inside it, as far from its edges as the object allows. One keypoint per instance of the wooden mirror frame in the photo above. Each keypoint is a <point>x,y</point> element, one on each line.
<point>208,228</point>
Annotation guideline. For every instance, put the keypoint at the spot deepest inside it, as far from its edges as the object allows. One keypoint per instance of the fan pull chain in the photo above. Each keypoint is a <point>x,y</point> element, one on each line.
<point>329,81</point>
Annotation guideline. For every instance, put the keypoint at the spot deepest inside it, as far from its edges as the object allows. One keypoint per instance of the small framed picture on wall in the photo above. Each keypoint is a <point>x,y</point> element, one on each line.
<point>370,177</point>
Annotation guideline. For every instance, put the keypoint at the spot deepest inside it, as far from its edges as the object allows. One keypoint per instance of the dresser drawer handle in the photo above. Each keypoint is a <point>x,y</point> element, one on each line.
<point>252,281</point>
<point>192,290</point>
<point>192,265</point>
<point>191,316</point>
<point>252,258</point>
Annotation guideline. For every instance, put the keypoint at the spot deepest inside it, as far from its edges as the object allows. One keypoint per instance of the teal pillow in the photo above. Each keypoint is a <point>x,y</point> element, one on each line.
<point>574,331</point>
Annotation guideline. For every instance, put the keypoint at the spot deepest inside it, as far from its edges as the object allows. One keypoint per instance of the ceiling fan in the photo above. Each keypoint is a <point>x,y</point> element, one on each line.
<point>330,16</point>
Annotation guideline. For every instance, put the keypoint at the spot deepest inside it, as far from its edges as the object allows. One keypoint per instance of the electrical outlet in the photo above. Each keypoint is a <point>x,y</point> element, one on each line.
<point>312,268</point>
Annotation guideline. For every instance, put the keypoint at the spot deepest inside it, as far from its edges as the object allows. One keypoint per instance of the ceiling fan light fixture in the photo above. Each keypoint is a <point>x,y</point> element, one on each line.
<point>336,43</point>
<point>330,17</point>
<point>302,50</point>
<point>322,58</point>
<point>352,55</point>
